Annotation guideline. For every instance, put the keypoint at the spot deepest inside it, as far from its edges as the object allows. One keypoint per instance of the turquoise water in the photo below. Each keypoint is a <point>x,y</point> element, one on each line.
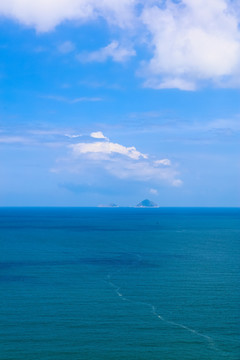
<point>128,284</point>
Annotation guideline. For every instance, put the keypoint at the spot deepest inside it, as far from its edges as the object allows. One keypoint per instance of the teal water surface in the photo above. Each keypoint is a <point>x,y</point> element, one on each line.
<point>119,284</point>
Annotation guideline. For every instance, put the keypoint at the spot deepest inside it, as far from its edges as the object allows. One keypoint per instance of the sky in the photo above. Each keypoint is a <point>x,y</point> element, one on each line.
<point>115,101</point>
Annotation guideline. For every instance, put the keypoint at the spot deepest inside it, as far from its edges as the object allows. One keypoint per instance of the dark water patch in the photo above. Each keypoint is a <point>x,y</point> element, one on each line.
<point>82,228</point>
<point>118,261</point>
<point>16,278</point>
<point>95,261</point>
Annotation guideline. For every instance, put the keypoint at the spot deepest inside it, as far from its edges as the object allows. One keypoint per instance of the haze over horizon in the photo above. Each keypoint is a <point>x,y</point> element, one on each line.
<point>119,101</point>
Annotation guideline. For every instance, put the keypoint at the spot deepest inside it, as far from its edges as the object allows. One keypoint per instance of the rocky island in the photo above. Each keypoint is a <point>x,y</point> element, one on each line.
<point>147,204</point>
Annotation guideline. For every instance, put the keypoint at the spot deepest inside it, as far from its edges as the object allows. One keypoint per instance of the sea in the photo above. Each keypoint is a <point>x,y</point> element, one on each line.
<point>119,283</point>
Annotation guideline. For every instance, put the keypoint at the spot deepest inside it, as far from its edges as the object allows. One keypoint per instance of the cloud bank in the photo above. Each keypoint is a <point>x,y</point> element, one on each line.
<point>121,161</point>
<point>190,43</point>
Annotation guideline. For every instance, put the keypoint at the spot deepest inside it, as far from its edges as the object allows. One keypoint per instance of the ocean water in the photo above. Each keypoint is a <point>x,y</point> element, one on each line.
<point>119,284</point>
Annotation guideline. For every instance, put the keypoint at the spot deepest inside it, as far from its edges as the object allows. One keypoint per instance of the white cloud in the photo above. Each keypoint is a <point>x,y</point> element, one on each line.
<point>98,135</point>
<point>193,40</point>
<point>153,191</point>
<point>98,155</point>
<point>190,43</point>
<point>143,171</point>
<point>168,83</point>
<point>73,136</point>
<point>71,101</point>
<point>85,99</point>
<point>223,124</point>
<point>177,182</point>
<point>14,140</point>
<point>45,15</point>
<point>114,50</point>
<point>107,148</point>
<point>165,162</point>
<point>49,132</point>
<point>66,47</point>
<point>123,162</point>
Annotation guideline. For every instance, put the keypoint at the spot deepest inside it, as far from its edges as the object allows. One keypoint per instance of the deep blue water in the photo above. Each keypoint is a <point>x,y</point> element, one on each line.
<point>132,284</point>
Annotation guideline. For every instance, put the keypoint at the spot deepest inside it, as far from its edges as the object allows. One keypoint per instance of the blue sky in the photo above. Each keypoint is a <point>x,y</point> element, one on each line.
<point>119,101</point>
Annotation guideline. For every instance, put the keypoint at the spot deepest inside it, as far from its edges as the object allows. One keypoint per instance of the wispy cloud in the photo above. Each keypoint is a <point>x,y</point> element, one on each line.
<point>72,101</point>
<point>143,171</point>
<point>114,50</point>
<point>66,47</point>
<point>168,83</point>
<point>165,162</point>
<point>73,136</point>
<point>53,133</point>
<point>153,191</point>
<point>100,84</point>
<point>14,140</point>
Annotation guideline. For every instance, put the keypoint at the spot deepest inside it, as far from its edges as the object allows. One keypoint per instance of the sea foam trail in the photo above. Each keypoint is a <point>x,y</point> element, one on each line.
<point>207,338</point>
<point>153,310</point>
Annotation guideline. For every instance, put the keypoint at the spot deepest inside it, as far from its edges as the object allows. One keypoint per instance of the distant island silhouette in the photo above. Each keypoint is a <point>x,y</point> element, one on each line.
<point>143,204</point>
<point>109,205</point>
<point>147,203</point>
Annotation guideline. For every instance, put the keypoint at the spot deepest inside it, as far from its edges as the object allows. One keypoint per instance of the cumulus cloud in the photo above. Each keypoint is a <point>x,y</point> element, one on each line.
<point>114,50</point>
<point>45,15</point>
<point>96,154</point>
<point>107,148</point>
<point>123,162</point>
<point>190,43</point>
<point>98,135</point>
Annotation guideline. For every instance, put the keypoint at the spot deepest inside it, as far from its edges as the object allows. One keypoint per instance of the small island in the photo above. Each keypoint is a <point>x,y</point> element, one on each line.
<point>109,206</point>
<point>147,204</point>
